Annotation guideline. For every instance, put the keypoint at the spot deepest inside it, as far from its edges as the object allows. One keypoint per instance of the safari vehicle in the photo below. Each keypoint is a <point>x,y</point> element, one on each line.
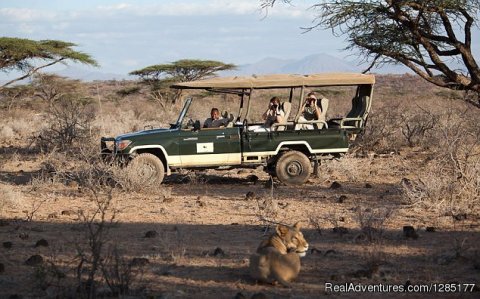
<point>284,152</point>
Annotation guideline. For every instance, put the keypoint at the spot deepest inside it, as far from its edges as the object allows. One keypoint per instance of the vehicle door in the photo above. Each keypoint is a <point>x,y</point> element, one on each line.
<point>209,147</point>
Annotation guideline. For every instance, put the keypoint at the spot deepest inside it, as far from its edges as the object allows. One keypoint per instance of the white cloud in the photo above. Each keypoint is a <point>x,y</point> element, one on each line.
<point>210,8</point>
<point>182,8</point>
<point>26,14</point>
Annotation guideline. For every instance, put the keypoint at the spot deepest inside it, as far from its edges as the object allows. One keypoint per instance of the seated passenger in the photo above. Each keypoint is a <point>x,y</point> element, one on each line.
<point>274,114</point>
<point>312,109</point>
<point>215,121</point>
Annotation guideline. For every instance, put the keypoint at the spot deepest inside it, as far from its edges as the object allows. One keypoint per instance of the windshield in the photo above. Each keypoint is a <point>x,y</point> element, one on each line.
<point>183,112</point>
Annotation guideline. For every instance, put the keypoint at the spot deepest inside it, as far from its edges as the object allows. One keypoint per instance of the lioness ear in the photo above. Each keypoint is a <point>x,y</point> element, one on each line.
<point>297,225</point>
<point>282,229</point>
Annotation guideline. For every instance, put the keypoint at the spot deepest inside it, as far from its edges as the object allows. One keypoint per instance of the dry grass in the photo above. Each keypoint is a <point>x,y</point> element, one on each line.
<point>206,227</point>
<point>10,199</point>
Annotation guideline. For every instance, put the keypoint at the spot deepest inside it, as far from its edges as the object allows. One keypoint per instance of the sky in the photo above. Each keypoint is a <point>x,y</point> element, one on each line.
<point>125,35</point>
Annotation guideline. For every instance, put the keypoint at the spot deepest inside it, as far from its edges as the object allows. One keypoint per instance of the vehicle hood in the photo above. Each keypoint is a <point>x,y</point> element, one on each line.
<point>137,134</point>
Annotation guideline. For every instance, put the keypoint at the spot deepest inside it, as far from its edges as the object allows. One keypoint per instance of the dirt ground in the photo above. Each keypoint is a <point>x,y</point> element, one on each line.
<point>206,228</point>
<point>192,236</point>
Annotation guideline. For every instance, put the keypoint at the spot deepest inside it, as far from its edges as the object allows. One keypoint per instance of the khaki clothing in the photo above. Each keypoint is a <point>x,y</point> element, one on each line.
<point>309,114</point>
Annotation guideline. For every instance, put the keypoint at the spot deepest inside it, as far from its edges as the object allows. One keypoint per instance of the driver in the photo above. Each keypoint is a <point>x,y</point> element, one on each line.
<point>215,121</point>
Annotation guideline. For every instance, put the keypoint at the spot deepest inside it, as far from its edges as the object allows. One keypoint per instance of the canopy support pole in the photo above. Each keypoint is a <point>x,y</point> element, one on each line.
<point>300,99</point>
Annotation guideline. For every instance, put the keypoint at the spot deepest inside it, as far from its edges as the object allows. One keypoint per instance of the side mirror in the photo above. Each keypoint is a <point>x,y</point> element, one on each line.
<point>196,126</point>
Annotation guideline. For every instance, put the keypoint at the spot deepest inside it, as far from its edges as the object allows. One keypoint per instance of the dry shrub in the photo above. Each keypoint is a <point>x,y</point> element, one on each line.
<point>19,127</point>
<point>381,131</point>
<point>119,272</point>
<point>6,133</point>
<point>416,125</point>
<point>172,243</point>
<point>69,122</point>
<point>123,121</point>
<point>10,198</point>
<point>451,179</point>
<point>129,90</point>
<point>372,222</point>
<point>348,165</point>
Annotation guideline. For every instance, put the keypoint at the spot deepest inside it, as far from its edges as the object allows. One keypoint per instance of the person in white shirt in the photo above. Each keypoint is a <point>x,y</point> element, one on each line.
<point>311,110</point>
<point>274,114</point>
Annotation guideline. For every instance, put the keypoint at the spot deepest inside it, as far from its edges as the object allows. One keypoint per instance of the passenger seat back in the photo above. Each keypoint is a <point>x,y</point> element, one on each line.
<point>285,107</point>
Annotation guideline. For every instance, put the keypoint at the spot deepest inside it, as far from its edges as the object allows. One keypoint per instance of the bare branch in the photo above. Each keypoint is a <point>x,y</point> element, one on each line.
<point>32,71</point>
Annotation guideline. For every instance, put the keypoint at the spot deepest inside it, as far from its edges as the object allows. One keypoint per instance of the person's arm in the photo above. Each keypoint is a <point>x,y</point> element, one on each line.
<point>265,114</point>
<point>224,121</point>
<point>316,109</point>
<point>206,123</point>
<point>303,106</point>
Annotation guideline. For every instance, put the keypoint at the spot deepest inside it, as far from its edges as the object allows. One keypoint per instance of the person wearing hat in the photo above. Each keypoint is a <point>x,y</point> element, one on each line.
<point>311,111</point>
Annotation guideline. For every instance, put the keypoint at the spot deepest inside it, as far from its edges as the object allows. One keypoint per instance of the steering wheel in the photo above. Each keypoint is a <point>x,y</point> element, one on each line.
<point>190,123</point>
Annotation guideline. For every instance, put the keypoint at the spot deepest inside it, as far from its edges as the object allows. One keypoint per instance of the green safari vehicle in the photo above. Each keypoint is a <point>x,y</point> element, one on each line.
<point>284,150</point>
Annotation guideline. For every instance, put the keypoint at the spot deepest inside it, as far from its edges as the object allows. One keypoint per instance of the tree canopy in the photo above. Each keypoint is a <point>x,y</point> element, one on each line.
<point>29,56</point>
<point>183,70</point>
<point>431,37</point>
<point>160,76</point>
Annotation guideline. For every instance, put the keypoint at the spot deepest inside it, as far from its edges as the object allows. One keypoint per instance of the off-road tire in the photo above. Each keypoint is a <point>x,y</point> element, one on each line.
<point>293,168</point>
<point>147,170</point>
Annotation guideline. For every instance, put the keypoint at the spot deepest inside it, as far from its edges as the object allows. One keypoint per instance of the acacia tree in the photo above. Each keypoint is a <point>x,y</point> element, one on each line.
<point>30,56</point>
<point>431,37</point>
<point>160,76</point>
<point>183,70</point>
<point>51,87</point>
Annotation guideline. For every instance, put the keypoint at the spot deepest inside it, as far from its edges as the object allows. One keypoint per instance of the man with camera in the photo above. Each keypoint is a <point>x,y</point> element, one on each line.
<point>274,114</point>
<point>312,109</point>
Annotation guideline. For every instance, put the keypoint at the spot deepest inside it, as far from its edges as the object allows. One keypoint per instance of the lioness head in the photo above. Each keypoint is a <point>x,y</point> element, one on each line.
<point>293,238</point>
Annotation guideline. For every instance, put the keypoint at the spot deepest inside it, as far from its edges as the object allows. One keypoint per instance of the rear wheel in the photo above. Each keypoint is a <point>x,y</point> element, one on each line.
<point>147,170</point>
<point>293,168</point>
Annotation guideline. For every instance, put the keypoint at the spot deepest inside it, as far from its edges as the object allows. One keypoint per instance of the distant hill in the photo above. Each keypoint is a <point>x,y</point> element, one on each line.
<point>90,74</point>
<point>317,63</point>
<point>267,65</point>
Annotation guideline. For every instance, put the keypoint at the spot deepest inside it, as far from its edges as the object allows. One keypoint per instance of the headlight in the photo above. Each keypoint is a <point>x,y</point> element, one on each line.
<point>122,144</point>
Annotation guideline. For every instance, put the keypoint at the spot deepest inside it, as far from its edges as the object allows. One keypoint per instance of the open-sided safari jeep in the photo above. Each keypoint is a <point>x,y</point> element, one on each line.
<point>285,151</point>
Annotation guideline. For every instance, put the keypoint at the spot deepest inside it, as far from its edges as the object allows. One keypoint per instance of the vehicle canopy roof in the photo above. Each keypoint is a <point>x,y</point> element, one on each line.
<point>278,81</point>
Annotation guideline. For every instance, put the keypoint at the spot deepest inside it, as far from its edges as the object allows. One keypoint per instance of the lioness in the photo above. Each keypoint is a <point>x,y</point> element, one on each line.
<point>278,258</point>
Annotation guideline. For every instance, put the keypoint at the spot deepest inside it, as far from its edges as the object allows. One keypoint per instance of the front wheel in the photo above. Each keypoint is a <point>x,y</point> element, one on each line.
<point>293,168</point>
<point>147,170</point>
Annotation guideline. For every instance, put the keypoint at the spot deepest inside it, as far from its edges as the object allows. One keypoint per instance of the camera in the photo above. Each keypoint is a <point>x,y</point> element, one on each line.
<point>310,102</point>
<point>274,107</point>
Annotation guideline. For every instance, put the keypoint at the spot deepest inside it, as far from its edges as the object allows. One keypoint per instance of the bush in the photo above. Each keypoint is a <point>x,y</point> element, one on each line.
<point>416,125</point>
<point>451,179</point>
<point>381,131</point>
<point>128,91</point>
<point>69,121</point>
